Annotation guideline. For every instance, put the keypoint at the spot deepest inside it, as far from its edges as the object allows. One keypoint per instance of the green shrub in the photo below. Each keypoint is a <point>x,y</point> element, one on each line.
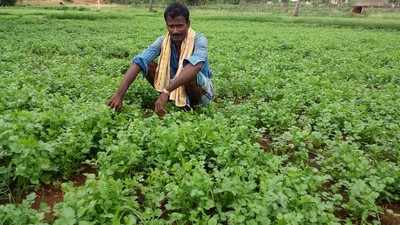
<point>7,2</point>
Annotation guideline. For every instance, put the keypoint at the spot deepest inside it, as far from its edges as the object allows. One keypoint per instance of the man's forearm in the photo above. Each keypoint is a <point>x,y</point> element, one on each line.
<point>129,77</point>
<point>187,74</point>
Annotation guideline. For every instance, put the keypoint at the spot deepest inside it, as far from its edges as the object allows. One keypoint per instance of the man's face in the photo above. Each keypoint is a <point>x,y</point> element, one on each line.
<point>177,28</point>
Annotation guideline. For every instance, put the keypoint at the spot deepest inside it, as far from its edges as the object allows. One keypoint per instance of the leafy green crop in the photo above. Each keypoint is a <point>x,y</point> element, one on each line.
<point>303,130</point>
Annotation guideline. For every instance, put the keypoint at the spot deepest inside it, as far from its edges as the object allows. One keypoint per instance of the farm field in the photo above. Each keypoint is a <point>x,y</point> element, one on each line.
<point>304,128</point>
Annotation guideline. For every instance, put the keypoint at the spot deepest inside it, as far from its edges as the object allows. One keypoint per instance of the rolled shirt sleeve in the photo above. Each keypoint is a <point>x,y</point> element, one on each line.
<point>148,55</point>
<point>200,52</point>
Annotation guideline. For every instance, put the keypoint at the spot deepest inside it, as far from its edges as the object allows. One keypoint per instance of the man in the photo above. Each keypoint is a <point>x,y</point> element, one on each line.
<point>182,73</point>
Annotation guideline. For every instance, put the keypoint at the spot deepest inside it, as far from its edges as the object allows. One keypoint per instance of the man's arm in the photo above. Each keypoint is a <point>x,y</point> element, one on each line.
<point>187,74</point>
<point>139,63</point>
<point>115,101</point>
<point>193,64</point>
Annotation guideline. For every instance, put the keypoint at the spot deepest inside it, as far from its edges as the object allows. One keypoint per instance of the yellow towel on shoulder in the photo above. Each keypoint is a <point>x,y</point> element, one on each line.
<point>162,78</point>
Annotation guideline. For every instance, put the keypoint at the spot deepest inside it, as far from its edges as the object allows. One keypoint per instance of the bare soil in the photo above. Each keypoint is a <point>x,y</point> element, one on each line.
<point>51,194</point>
<point>265,142</point>
<point>390,214</point>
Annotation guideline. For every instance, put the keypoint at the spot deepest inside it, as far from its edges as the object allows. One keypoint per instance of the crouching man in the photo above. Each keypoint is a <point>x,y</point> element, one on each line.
<point>182,73</point>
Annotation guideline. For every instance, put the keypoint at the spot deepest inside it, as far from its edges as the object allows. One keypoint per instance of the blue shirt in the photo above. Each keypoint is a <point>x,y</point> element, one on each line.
<point>200,54</point>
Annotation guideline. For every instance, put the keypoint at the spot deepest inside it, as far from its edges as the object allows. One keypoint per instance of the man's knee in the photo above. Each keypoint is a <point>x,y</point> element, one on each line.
<point>194,91</point>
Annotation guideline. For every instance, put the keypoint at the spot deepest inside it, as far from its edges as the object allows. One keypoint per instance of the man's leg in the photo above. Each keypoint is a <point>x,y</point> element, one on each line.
<point>151,73</point>
<point>200,90</point>
<point>193,91</point>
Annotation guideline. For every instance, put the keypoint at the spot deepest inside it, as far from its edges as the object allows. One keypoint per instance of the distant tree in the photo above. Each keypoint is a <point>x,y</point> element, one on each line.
<point>195,2</point>
<point>296,10</point>
<point>285,4</point>
<point>395,3</point>
<point>151,5</point>
<point>7,2</point>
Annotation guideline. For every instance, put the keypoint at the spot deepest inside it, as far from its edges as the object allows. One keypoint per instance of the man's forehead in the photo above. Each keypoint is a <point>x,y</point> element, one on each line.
<point>176,20</point>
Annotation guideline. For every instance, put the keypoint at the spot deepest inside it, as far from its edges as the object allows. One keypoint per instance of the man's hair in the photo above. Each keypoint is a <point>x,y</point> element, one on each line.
<point>176,9</point>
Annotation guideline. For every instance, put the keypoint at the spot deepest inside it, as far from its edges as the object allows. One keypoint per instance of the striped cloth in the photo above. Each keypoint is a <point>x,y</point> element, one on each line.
<point>162,78</point>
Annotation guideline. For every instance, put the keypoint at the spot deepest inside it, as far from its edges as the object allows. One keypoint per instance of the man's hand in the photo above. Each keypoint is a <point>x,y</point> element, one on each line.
<point>159,105</point>
<point>115,102</point>
<point>188,73</point>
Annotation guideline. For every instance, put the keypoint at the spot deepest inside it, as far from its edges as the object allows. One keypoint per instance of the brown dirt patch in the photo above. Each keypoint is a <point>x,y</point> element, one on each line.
<point>342,213</point>
<point>53,194</point>
<point>265,142</point>
<point>390,214</point>
<point>50,194</point>
<point>79,178</point>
